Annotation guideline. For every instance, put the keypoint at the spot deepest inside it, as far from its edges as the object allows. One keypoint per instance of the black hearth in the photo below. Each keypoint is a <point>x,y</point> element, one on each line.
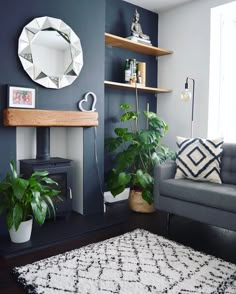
<point>59,169</point>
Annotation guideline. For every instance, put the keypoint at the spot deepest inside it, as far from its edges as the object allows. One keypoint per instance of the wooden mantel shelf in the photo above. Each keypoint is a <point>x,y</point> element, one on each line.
<point>52,118</point>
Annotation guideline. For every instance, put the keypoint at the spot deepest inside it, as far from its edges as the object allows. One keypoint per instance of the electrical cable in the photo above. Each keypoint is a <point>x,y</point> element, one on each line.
<point>96,160</point>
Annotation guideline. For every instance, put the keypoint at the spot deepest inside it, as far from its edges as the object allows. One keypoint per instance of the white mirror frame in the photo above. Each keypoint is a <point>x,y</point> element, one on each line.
<point>28,34</point>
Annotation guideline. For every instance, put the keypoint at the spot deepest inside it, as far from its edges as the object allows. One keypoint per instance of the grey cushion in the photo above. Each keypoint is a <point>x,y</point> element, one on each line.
<point>228,164</point>
<point>221,196</point>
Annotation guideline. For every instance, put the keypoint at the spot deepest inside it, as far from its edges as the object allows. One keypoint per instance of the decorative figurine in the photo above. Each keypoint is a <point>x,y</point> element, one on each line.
<point>136,29</point>
<point>85,100</point>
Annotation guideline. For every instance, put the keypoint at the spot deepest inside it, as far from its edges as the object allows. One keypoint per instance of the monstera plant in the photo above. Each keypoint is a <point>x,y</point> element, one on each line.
<point>135,153</point>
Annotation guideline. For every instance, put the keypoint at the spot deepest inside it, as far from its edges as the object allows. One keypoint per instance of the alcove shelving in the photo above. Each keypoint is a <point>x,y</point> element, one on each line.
<point>116,41</point>
<point>133,86</point>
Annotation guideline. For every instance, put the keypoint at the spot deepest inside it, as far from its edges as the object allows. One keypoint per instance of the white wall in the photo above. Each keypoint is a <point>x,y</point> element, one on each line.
<point>64,142</point>
<point>186,31</point>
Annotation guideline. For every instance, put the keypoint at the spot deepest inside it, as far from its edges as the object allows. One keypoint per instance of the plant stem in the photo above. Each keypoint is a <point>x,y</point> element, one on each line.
<point>137,106</point>
<point>147,122</point>
<point>144,166</point>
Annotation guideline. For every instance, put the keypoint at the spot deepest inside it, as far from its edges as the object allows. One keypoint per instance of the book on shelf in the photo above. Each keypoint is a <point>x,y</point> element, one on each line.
<point>139,40</point>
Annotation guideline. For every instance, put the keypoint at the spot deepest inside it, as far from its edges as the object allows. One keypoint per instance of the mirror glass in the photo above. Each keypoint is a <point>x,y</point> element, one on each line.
<point>50,52</point>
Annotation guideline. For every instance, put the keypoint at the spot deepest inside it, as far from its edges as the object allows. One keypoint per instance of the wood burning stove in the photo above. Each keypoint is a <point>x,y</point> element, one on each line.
<point>59,169</point>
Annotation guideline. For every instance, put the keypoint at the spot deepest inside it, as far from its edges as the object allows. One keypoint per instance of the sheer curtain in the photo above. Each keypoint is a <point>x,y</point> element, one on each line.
<point>222,96</point>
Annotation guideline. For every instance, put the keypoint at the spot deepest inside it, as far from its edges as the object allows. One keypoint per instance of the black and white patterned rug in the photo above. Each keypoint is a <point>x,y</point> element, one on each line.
<point>138,262</point>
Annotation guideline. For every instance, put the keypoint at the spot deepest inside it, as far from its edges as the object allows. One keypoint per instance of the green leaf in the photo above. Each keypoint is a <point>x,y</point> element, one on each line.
<point>152,115</point>
<point>50,207</point>
<point>156,122</point>
<point>49,181</point>
<point>155,158</point>
<point>147,137</point>
<point>117,190</point>
<point>113,183</point>
<point>128,137</point>
<point>125,106</point>
<point>19,187</point>
<point>40,174</point>
<point>10,219</point>
<point>39,211</point>
<point>140,178</point>
<point>121,160</point>
<point>13,169</point>
<point>8,178</point>
<point>121,131</point>
<point>33,181</point>
<point>52,193</point>
<point>36,197</point>
<point>112,144</point>
<point>144,179</point>
<point>131,115</point>
<point>17,215</point>
<point>172,155</point>
<point>4,186</point>
<point>123,179</point>
<point>35,185</point>
<point>148,196</point>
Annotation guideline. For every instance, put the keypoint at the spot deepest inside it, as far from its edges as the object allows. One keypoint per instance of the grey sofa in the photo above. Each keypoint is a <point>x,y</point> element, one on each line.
<point>210,203</point>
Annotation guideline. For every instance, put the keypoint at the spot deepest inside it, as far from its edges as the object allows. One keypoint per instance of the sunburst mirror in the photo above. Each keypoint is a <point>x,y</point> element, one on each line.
<point>50,52</point>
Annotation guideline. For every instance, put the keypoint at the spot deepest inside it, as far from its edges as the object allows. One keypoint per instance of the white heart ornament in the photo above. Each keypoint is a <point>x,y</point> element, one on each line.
<point>86,100</point>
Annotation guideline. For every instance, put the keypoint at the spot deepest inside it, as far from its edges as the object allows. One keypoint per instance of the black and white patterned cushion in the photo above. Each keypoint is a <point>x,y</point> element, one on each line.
<point>199,159</point>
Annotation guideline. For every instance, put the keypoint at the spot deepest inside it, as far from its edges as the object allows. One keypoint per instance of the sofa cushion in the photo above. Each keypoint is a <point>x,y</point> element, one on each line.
<point>208,194</point>
<point>199,159</point>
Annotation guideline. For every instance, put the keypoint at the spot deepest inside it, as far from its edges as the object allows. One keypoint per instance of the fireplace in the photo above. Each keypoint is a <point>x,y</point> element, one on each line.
<point>59,169</point>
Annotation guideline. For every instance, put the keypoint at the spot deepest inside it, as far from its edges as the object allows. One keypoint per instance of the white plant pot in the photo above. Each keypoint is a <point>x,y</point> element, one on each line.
<point>23,233</point>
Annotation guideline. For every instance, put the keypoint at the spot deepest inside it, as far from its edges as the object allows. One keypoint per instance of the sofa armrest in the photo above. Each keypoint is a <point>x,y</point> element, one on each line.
<point>165,171</point>
<point>162,172</point>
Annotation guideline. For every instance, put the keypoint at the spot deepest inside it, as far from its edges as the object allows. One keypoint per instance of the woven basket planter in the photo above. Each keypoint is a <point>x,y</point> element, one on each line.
<point>138,204</point>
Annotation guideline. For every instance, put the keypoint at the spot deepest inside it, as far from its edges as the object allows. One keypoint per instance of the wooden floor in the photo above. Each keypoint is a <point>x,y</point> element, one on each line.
<point>211,240</point>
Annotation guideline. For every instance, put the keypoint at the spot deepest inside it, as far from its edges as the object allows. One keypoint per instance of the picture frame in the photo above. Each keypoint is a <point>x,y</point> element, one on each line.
<point>21,97</point>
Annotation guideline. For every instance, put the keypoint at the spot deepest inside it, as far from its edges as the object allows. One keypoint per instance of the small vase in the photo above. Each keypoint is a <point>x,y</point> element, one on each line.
<point>138,204</point>
<point>23,233</point>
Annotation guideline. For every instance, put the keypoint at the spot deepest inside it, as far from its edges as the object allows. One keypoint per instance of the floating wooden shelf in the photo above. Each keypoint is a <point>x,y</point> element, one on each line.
<point>52,118</point>
<point>132,87</point>
<point>120,42</point>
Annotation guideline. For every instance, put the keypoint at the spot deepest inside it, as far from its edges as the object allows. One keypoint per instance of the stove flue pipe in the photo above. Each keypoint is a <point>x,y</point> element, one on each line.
<point>43,143</point>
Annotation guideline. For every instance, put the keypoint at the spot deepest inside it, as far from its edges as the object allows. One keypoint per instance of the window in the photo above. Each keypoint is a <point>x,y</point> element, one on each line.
<point>222,95</point>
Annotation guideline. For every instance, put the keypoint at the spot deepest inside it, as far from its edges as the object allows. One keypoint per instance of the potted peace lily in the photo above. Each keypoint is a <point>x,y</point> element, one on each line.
<point>135,153</point>
<point>22,199</point>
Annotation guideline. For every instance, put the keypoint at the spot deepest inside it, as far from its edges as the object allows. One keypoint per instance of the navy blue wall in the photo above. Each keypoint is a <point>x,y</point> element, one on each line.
<point>87,19</point>
<point>119,16</point>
